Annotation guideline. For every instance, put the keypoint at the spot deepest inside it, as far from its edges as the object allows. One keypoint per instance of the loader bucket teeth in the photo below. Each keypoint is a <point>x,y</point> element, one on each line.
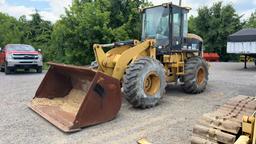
<point>72,97</point>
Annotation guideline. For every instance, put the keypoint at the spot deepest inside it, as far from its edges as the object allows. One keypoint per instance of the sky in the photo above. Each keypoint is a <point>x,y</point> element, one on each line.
<point>52,9</point>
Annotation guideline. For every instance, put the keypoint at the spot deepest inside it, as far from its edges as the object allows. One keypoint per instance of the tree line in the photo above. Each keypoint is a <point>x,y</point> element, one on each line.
<point>86,22</point>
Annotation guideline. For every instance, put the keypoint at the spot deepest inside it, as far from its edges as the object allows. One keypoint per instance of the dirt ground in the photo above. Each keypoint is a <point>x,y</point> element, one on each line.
<point>170,122</point>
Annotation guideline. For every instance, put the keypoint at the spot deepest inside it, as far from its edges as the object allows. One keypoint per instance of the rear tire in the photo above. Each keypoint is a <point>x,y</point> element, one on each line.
<point>196,75</point>
<point>144,83</point>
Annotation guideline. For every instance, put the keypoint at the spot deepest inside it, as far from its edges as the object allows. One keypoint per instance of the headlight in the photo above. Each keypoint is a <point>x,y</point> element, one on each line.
<point>9,56</point>
<point>40,57</point>
<point>160,47</point>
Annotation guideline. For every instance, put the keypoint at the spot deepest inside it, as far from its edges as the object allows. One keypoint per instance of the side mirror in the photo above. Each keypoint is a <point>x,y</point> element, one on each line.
<point>39,50</point>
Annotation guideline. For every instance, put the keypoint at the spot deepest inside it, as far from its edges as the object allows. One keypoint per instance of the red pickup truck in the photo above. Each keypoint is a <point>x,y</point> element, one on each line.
<point>20,56</point>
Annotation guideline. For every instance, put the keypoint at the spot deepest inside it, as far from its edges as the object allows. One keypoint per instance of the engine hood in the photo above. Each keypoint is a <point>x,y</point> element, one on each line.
<point>23,52</point>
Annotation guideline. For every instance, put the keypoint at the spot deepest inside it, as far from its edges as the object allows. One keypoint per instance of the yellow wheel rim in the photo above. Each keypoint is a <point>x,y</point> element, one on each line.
<point>152,83</point>
<point>200,76</point>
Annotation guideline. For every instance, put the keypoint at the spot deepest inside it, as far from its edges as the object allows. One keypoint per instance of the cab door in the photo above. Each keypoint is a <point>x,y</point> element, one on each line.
<point>176,28</point>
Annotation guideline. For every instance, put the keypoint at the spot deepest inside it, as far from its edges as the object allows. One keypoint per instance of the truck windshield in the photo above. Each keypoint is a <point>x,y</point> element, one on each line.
<point>13,47</point>
<point>156,24</point>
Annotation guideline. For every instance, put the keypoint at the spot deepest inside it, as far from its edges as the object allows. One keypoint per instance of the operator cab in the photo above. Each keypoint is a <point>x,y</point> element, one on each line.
<point>168,24</point>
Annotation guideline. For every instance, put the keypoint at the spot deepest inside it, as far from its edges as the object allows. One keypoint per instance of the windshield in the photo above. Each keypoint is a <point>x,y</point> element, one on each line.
<point>156,24</point>
<point>13,47</point>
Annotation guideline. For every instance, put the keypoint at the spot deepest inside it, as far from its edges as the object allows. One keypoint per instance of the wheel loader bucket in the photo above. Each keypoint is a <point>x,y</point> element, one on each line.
<point>72,97</point>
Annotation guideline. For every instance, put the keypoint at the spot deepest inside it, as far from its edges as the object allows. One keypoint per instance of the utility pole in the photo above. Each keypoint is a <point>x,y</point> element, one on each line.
<point>180,3</point>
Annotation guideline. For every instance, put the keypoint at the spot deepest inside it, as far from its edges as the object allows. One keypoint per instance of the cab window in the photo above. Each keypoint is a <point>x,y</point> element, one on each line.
<point>185,25</point>
<point>176,23</point>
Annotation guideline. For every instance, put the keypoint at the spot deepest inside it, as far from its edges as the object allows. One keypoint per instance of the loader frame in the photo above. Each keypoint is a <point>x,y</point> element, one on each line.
<point>115,61</point>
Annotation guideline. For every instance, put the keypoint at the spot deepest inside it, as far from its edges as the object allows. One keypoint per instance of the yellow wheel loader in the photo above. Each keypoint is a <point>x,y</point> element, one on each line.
<point>72,97</point>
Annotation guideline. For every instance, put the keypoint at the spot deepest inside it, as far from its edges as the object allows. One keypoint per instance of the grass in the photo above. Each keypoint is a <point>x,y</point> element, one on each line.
<point>45,66</point>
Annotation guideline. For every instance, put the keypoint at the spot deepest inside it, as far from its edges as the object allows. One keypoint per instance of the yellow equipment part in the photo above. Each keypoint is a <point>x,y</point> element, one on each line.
<point>243,140</point>
<point>231,123</point>
<point>115,61</point>
<point>248,130</point>
<point>143,141</point>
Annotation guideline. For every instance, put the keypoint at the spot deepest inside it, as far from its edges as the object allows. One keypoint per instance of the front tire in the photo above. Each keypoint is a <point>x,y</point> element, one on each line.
<point>26,70</point>
<point>144,83</point>
<point>6,69</point>
<point>1,68</point>
<point>39,70</point>
<point>196,75</point>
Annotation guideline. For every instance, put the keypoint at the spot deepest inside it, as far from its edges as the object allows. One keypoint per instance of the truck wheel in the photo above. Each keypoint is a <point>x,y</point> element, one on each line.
<point>6,69</point>
<point>144,83</point>
<point>196,75</point>
<point>39,70</point>
<point>1,69</point>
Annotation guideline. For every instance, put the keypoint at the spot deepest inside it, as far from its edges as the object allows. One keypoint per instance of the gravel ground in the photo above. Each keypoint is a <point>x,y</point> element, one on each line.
<point>170,122</point>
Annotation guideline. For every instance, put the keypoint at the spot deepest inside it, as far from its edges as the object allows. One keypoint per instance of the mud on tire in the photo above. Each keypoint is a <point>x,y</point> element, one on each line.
<point>196,75</point>
<point>137,83</point>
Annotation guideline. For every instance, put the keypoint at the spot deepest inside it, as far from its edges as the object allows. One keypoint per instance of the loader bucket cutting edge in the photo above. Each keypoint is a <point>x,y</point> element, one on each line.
<point>72,97</point>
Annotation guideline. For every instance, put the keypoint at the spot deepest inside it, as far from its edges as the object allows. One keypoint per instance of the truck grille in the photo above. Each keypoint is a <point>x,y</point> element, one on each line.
<point>25,56</point>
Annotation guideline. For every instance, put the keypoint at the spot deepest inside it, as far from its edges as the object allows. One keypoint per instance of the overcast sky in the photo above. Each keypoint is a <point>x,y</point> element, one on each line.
<point>52,9</point>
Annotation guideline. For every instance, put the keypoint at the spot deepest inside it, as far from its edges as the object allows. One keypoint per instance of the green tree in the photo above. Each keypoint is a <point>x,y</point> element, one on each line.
<point>215,24</point>
<point>10,30</point>
<point>251,23</point>
<point>84,24</point>
<point>191,25</point>
<point>125,16</point>
<point>94,21</point>
<point>37,32</point>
